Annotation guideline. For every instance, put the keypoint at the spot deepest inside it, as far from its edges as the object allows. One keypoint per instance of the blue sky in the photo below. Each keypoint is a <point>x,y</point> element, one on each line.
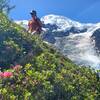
<point>80,10</point>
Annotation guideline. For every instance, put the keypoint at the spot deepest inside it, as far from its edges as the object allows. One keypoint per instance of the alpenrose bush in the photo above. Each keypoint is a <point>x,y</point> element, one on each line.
<point>30,83</point>
<point>1,74</point>
<point>6,74</point>
<point>17,68</point>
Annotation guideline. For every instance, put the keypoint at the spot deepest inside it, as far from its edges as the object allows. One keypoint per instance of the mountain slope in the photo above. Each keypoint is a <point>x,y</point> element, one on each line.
<point>43,73</point>
<point>71,38</point>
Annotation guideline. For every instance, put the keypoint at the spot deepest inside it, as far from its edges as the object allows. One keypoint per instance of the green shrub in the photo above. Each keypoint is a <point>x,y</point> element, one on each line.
<point>44,73</point>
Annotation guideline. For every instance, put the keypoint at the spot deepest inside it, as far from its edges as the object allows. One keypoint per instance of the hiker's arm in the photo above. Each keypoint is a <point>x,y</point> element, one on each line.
<point>29,27</point>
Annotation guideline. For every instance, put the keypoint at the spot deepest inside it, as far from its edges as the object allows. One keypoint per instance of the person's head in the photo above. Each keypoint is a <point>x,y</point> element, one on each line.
<point>33,13</point>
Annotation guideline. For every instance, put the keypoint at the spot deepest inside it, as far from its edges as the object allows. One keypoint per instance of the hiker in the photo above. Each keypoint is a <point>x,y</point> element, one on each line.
<point>35,25</point>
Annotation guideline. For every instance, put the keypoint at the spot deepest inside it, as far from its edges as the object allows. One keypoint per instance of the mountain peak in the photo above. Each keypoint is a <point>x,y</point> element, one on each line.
<point>62,22</point>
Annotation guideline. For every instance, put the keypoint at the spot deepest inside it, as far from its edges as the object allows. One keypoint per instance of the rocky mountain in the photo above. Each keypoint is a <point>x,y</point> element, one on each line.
<point>72,39</point>
<point>96,37</point>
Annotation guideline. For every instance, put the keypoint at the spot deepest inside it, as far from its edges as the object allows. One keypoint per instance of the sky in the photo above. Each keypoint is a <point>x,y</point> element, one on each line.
<point>85,11</point>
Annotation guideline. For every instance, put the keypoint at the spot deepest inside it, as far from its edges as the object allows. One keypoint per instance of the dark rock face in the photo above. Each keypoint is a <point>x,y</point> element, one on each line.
<point>52,32</point>
<point>96,37</point>
<point>76,30</point>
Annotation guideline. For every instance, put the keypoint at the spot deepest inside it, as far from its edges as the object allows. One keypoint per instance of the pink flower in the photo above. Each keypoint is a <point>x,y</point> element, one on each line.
<point>7,74</point>
<point>17,67</point>
<point>1,74</point>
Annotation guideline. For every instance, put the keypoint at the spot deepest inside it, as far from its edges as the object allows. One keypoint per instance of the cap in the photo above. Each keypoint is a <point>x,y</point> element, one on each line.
<point>33,12</point>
